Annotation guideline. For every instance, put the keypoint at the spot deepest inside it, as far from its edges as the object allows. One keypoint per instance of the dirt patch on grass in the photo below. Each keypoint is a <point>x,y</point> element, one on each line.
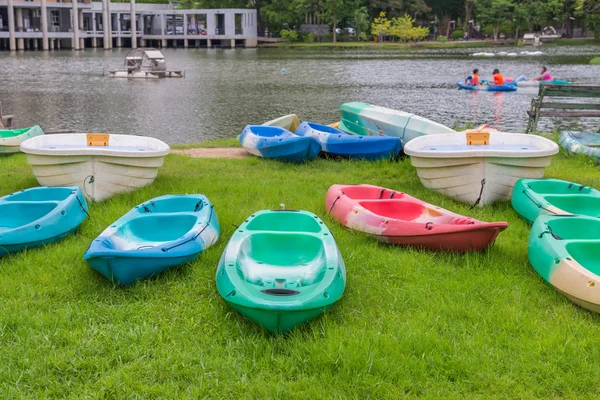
<point>219,152</point>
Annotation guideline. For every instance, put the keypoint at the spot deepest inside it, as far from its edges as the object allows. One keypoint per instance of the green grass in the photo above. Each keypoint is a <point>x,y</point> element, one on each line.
<point>572,42</point>
<point>411,323</point>
<point>595,61</point>
<point>385,45</point>
<point>229,142</point>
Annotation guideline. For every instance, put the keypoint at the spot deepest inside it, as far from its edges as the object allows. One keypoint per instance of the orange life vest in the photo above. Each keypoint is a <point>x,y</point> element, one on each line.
<point>475,80</point>
<point>498,79</point>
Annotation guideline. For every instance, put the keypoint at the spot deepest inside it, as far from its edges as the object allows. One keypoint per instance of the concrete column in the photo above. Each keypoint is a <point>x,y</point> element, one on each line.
<point>185,43</point>
<point>119,42</point>
<point>58,44</point>
<point>11,26</point>
<point>163,24</point>
<point>133,25</point>
<point>44,17</point>
<point>142,42</point>
<point>109,23</point>
<point>94,42</point>
<point>35,44</point>
<point>75,25</point>
<point>209,43</point>
<point>185,25</point>
<point>19,19</point>
<point>163,43</point>
<point>233,43</point>
<point>105,24</point>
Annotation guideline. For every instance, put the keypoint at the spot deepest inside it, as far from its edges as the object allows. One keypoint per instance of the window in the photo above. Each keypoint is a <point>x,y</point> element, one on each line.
<point>55,17</point>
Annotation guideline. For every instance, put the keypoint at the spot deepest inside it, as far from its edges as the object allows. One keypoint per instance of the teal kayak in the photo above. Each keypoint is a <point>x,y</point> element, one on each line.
<point>565,251</point>
<point>281,269</point>
<point>532,197</point>
<point>38,216</point>
<point>11,139</point>
<point>587,143</point>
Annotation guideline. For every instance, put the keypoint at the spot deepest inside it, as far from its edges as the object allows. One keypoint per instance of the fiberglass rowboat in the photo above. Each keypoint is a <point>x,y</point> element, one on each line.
<point>38,216</point>
<point>479,166</point>
<point>532,197</point>
<point>11,139</point>
<point>397,218</point>
<point>337,143</point>
<point>100,164</point>
<point>154,236</point>
<point>367,119</point>
<point>565,251</point>
<point>281,269</point>
<point>278,143</point>
<point>587,143</point>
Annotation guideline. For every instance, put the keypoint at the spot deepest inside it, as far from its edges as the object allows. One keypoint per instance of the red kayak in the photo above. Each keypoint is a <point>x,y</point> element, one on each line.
<point>397,218</point>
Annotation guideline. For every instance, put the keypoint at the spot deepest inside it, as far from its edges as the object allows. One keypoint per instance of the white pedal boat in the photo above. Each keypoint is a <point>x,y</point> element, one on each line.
<point>124,164</point>
<point>484,171</point>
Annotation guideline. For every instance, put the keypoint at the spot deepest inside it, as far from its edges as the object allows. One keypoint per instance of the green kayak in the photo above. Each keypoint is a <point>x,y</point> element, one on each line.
<point>11,139</point>
<point>532,197</point>
<point>565,251</point>
<point>281,269</point>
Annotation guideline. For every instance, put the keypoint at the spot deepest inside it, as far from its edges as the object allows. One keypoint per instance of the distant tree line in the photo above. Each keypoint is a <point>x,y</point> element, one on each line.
<point>417,19</point>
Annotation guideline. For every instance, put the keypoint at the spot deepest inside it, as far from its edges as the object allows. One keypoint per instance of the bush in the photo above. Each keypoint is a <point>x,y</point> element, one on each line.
<point>595,61</point>
<point>458,34</point>
<point>363,37</point>
<point>442,38</point>
<point>310,38</point>
<point>289,34</point>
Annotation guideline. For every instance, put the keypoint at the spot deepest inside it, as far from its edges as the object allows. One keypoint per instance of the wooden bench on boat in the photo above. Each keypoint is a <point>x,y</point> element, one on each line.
<point>545,104</point>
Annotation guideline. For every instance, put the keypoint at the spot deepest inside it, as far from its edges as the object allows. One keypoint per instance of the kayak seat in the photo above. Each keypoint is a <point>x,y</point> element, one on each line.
<point>396,209</point>
<point>172,205</point>
<point>284,222</point>
<point>16,214</point>
<point>557,187</point>
<point>147,229</point>
<point>587,253</point>
<point>574,228</point>
<point>576,204</point>
<point>42,194</point>
<point>281,260</point>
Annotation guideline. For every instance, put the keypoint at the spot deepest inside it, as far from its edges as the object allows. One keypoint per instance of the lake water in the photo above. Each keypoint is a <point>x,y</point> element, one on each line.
<point>224,90</point>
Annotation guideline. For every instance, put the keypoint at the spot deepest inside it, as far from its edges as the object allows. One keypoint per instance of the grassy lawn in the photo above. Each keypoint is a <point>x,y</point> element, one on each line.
<point>435,325</point>
<point>385,45</point>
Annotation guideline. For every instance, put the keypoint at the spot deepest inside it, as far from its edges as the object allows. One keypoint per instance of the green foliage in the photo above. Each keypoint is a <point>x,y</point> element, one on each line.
<point>403,29</point>
<point>289,34</point>
<point>381,26</point>
<point>442,38</point>
<point>458,34</point>
<point>595,61</point>
<point>310,37</point>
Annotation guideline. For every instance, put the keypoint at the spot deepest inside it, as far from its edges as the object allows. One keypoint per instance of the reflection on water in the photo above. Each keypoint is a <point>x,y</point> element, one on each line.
<point>226,89</point>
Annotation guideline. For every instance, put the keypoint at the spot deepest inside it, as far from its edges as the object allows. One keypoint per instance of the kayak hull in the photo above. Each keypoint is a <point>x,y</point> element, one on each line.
<point>281,269</point>
<point>498,88</point>
<point>38,216</point>
<point>279,144</point>
<point>565,252</point>
<point>369,120</point>
<point>337,143</point>
<point>154,236</point>
<point>533,197</point>
<point>11,139</point>
<point>397,218</point>
<point>587,143</point>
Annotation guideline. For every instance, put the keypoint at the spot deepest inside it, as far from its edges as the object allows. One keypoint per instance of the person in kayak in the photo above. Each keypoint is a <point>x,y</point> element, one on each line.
<point>498,78</point>
<point>473,79</point>
<point>545,75</point>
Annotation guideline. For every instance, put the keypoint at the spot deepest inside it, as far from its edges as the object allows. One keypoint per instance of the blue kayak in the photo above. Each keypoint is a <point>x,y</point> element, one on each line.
<point>154,236</point>
<point>485,88</point>
<point>38,216</point>
<point>338,143</point>
<point>279,143</point>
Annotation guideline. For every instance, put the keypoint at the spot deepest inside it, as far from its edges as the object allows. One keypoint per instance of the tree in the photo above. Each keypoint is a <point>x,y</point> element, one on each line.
<point>403,29</point>
<point>360,18</point>
<point>381,26</point>
<point>494,12</point>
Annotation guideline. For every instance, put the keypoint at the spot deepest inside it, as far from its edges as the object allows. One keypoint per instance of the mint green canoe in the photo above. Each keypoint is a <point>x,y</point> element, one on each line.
<point>367,119</point>
<point>11,139</point>
<point>281,269</point>
<point>565,251</point>
<point>532,197</point>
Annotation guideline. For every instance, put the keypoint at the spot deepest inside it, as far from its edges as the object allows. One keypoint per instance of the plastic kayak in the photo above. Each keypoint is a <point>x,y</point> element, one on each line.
<point>281,269</point>
<point>397,218</point>
<point>154,236</point>
<point>279,143</point>
<point>367,119</point>
<point>565,251</point>
<point>587,143</point>
<point>11,139</point>
<point>532,197</point>
<point>485,88</point>
<point>337,143</point>
<point>289,122</point>
<point>529,83</point>
<point>38,216</point>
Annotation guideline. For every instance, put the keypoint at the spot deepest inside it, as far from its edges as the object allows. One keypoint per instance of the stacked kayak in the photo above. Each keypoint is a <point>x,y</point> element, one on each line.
<point>11,139</point>
<point>532,197</point>
<point>289,122</point>
<point>565,251</point>
<point>38,216</point>
<point>154,236</point>
<point>337,143</point>
<point>587,143</point>
<point>366,119</point>
<point>279,143</point>
<point>281,269</point>
<point>397,218</point>
<point>486,88</point>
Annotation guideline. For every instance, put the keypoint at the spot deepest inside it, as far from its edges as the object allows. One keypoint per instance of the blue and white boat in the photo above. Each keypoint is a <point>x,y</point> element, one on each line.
<point>154,236</point>
<point>337,143</point>
<point>38,216</point>
<point>279,143</point>
<point>488,88</point>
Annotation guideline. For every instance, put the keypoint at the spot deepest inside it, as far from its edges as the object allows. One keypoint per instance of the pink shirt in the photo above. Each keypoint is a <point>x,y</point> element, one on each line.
<point>546,76</point>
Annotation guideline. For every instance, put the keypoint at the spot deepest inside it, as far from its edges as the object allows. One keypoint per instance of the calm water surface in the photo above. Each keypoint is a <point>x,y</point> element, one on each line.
<point>226,89</point>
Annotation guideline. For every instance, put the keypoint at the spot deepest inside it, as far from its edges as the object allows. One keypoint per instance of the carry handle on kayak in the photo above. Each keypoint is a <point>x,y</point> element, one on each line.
<point>280,292</point>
